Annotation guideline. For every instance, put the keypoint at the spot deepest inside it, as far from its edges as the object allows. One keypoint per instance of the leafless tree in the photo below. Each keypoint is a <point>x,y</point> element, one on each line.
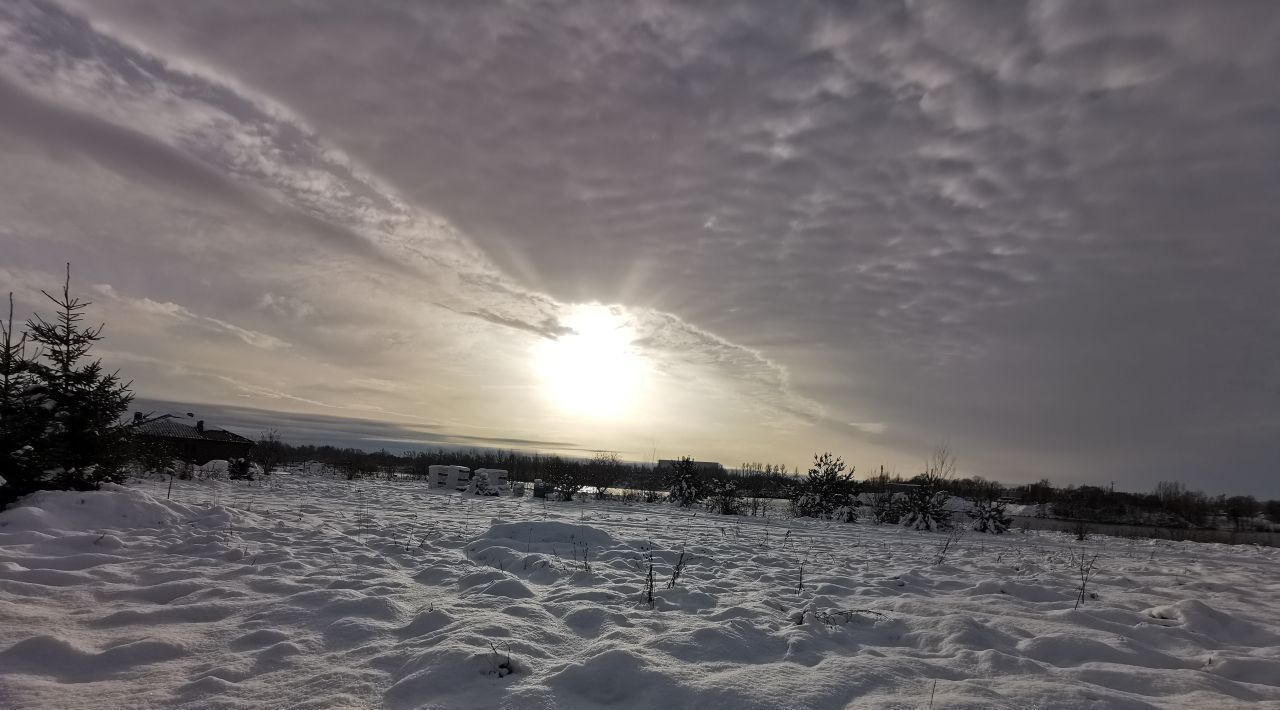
<point>269,452</point>
<point>941,464</point>
<point>603,472</point>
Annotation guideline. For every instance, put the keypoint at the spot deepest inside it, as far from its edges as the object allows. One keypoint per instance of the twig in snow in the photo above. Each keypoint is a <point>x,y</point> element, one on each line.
<point>1087,568</point>
<point>501,667</point>
<point>649,583</point>
<point>677,570</point>
<point>952,537</point>
<point>835,618</point>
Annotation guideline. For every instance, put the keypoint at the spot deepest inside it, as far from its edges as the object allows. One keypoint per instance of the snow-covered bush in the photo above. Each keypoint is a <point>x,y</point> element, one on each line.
<point>925,507</point>
<point>239,470</point>
<point>886,507</point>
<point>685,483</point>
<point>989,516</point>
<point>182,470</point>
<point>828,493</point>
<point>723,497</point>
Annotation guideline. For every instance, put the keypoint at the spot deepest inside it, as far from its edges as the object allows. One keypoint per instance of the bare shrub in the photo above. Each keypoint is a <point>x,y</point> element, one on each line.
<point>604,472</point>
<point>1081,529</point>
<point>269,452</point>
<point>952,538</point>
<point>677,570</point>
<point>500,665</point>
<point>648,586</point>
<point>566,479</point>
<point>1086,568</point>
<point>833,617</point>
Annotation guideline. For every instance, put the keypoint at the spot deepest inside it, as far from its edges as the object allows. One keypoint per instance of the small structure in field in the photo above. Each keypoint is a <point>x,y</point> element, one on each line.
<point>497,476</point>
<point>488,482</point>
<point>191,441</point>
<point>452,477</point>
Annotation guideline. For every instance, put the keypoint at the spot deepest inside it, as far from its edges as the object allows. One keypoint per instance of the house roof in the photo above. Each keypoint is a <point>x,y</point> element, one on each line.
<point>170,427</point>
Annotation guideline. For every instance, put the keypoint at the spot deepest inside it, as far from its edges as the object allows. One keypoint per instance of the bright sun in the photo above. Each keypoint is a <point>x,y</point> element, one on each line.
<point>593,371</point>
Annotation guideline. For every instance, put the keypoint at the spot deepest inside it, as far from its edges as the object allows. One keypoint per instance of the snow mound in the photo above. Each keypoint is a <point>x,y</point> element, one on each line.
<point>1261,671</point>
<point>1200,618</point>
<point>113,507</point>
<point>616,677</point>
<point>545,536</point>
<point>543,551</point>
<point>456,675</point>
<point>67,662</point>
<point>1067,650</point>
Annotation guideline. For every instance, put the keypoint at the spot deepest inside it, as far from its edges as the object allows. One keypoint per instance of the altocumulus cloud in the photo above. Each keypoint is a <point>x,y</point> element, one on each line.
<point>1042,231</point>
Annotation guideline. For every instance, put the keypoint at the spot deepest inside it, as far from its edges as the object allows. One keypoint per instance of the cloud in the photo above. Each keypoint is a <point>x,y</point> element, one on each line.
<point>303,428</point>
<point>766,383</point>
<point>1042,231</point>
<point>548,328</point>
<point>60,130</point>
<point>173,311</point>
<point>286,306</point>
<point>252,155</point>
<point>869,427</point>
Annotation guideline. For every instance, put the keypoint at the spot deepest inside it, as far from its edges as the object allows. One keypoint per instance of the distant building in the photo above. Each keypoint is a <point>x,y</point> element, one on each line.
<point>192,441</point>
<point>704,467</point>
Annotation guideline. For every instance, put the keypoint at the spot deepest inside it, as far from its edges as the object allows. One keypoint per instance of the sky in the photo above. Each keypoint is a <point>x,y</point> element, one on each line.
<point>1042,233</point>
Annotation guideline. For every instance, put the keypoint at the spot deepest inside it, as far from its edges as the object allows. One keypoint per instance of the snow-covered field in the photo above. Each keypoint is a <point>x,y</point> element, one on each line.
<point>317,593</point>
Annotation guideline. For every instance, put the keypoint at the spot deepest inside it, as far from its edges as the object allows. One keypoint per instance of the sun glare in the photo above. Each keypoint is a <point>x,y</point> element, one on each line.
<point>593,371</point>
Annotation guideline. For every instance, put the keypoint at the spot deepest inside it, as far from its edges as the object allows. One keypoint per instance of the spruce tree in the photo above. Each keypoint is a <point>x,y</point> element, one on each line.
<point>989,516</point>
<point>926,505</point>
<point>886,507</point>
<point>21,419</point>
<point>74,405</point>
<point>684,483</point>
<point>829,493</point>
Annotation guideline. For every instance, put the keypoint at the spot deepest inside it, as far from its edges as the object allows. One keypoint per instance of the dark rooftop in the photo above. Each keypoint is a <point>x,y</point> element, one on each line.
<point>171,427</point>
